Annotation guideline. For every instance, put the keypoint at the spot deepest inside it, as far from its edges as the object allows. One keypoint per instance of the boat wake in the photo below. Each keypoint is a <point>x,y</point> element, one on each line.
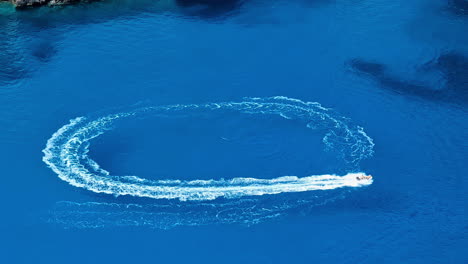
<point>67,150</point>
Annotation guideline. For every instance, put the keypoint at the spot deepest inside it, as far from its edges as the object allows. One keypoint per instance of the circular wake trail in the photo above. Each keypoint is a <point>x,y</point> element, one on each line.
<point>66,153</point>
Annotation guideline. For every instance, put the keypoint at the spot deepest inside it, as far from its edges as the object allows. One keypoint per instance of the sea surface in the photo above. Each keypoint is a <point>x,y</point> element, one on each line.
<point>234,131</point>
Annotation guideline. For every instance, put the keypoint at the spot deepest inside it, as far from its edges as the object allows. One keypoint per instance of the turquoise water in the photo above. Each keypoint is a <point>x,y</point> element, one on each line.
<point>207,131</point>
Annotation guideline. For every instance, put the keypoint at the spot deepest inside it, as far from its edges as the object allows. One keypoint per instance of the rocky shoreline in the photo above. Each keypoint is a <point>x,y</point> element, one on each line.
<point>30,3</point>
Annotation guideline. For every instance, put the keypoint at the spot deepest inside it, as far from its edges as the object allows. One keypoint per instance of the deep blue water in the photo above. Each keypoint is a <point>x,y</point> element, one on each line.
<point>398,69</point>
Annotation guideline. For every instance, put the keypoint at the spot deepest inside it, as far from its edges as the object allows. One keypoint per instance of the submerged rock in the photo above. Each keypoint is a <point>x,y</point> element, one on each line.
<point>451,66</point>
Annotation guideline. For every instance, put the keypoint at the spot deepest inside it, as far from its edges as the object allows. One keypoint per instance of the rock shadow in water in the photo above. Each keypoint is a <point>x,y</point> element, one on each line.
<point>458,7</point>
<point>453,67</point>
<point>209,8</point>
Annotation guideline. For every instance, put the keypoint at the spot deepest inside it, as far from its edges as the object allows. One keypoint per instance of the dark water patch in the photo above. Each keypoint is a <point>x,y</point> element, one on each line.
<point>452,66</point>
<point>381,74</point>
<point>455,67</point>
<point>43,50</point>
<point>315,3</point>
<point>12,67</point>
<point>23,50</point>
<point>373,69</point>
<point>458,7</point>
<point>11,57</point>
<point>209,8</point>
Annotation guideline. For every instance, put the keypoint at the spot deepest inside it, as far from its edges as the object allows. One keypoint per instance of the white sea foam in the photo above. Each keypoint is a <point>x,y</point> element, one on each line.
<point>66,153</point>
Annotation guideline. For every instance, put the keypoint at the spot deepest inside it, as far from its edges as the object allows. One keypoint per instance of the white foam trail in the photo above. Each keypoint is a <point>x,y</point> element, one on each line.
<point>104,215</point>
<point>66,153</point>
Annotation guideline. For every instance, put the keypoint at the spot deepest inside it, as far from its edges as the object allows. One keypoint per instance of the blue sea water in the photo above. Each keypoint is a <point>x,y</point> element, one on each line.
<point>237,78</point>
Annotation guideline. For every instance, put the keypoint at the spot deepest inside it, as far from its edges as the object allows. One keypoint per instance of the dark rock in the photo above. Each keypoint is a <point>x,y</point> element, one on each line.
<point>29,3</point>
<point>25,3</point>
